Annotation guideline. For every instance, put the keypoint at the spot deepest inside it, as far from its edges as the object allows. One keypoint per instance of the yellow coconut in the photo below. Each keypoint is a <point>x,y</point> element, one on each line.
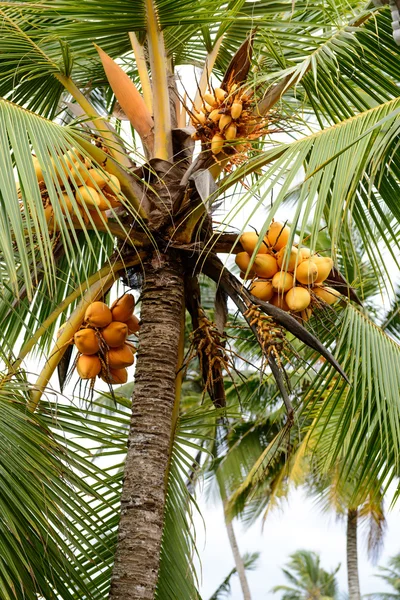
<point>214,115</point>
<point>220,94</point>
<point>78,173</point>
<point>116,376</point>
<point>265,266</point>
<point>95,176</point>
<point>120,358</point>
<point>86,341</point>
<point>327,294</point>
<point>122,309</point>
<point>98,314</point>
<point>278,235</point>
<point>307,272</point>
<point>262,290</point>
<point>298,299</point>
<point>133,324</point>
<point>224,121</point>
<point>87,195</point>
<point>304,253</point>
<point>231,132</point>
<point>242,260</point>
<point>217,143</point>
<point>113,185</point>
<point>38,169</point>
<point>210,99</point>
<point>324,266</point>
<point>115,334</point>
<point>249,241</point>
<point>88,367</point>
<point>282,281</point>
<point>288,262</point>
<point>279,301</point>
<point>236,110</point>
<point>68,208</point>
<point>49,216</point>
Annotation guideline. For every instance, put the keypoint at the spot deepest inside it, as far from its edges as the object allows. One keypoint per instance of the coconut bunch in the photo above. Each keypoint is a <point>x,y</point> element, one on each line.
<point>225,117</point>
<point>291,278</point>
<point>102,341</point>
<point>87,180</point>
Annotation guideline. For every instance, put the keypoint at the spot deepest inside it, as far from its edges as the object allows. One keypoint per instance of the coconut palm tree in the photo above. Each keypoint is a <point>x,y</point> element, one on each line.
<point>95,86</point>
<point>308,580</point>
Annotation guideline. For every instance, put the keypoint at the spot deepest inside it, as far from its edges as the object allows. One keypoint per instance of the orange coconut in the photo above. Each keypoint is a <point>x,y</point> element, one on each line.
<point>265,266</point>
<point>122,309</point>
<point>287,259</point>
<point>278,235</point>
<point>133,324</point>
<point>113,185</point>
<point>117,376</point>
<point>242,260</point>
<point>327,294</point>
<point>298,299</point>
<point>262,290</point>
<point>115,334</point>
<point>86,341</point>
<point>324,266</point>
<point>249,241</point>
<point>282,282</point>
<point>120,358</point>
<point>279,301</point>
<point>307,272</point>
<point>87,195</point>
<point>88,366</point>
<point>98,314</point>
<point>98,177</point>
<point>304,253</point>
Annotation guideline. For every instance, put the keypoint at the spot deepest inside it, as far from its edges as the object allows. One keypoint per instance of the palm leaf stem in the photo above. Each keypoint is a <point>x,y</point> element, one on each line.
<point>138,51</point>
<point>207,70</point>
<point>98,122</point>
<point>161,105</point>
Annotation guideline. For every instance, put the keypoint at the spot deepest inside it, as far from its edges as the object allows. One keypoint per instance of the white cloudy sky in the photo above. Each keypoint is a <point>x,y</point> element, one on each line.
<point>299,525</point>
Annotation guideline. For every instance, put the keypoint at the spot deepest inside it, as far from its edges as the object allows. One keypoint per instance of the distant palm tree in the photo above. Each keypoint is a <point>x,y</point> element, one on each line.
<point>309,581</point>
<point>391,575</point>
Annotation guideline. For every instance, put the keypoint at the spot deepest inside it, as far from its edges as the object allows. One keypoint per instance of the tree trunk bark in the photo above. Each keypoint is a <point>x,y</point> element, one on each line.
<point>241,571</point>
<point>352,555</point>
<point>143,496</point>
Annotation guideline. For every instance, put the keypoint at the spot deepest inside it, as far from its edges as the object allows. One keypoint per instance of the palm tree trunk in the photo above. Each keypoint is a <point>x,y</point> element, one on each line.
<point>352,555</point>
<point>143,497</point>
<point>241,571</point>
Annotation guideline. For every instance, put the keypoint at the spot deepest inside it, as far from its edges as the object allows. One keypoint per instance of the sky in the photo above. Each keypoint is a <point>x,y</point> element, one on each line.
<point>299,525</point>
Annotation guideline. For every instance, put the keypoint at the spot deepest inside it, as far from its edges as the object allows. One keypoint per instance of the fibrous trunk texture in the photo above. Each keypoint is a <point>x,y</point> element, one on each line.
<point>352,556</point>
<point>143,497</point>
<point>237,557</point>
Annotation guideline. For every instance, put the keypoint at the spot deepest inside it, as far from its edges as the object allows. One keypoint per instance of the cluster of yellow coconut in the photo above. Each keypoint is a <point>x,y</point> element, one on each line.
<point>224,117</point>
<point>102,340</point>
<point>290,278</point>
<point>88,181</point>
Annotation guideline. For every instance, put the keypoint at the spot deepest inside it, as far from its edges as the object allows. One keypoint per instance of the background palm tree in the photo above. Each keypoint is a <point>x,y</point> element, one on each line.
<point>308,580</point>
<point>312,71</point>
<point>391,576</point>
